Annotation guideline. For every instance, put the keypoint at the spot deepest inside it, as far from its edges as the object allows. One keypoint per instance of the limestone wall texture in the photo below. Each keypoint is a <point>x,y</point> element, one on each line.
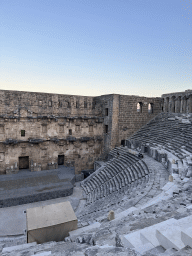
<point>54,125</point>
<point>42,130</point>
<point>130,119</point>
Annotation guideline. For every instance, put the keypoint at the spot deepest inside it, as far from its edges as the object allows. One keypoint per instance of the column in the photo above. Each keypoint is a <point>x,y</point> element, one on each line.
<point>190,104</point>
<point>173,105</point>
<point>176,105</point>
<point>167,104</point>
<point>181,105</point>
<point>184,104</point>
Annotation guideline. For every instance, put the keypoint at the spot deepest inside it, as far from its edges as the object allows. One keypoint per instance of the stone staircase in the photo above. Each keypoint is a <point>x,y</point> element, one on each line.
<point>169,234</point>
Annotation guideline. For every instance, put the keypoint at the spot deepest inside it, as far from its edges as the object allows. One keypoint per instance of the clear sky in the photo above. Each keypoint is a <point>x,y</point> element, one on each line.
<point>95,47</point>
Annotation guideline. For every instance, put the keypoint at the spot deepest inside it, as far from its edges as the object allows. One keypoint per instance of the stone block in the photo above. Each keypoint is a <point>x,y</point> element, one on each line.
<point>169,236</point>
<point>43,253</point>
<point>111,215</point>
<point>186,236</point>
<point>50,223</point>
<point>149,233</point>
<point>133,240</point>
<point>18,247</point>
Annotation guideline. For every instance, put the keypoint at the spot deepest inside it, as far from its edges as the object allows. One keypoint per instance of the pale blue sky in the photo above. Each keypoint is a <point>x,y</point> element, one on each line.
<point>95,47</point>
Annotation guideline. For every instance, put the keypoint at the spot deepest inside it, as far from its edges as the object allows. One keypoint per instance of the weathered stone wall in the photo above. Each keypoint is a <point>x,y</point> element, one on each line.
<point>44,141</point>
<point>33,104</point>
<point>123,119</point>
<point>54,125</point>
<point>106,103</point>
<point>130,120</point>
<point>79,128</point>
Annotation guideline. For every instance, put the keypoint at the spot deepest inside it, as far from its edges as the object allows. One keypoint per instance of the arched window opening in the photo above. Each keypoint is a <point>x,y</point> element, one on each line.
<point>150,108</point>
<point>139,107</point>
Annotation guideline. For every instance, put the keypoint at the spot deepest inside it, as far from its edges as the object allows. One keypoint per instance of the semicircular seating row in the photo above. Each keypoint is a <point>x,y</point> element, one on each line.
<point>167,130</point>
<point>126,197</point>
<point>123,169</point>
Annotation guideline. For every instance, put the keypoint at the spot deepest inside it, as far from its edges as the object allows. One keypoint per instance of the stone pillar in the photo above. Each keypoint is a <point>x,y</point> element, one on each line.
<point>190,104</point>
<point>165,108</point>
<point>184,105</point>
<point>173,105</point>
<point>176,105</point>
<point>179,104</point>
<point>164,105</point>
<point>115,122</point>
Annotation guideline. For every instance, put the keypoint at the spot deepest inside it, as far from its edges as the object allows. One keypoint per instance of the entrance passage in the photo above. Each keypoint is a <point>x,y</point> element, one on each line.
<point>123,143</point>
<point>60,159</point>
<point>24,162</point>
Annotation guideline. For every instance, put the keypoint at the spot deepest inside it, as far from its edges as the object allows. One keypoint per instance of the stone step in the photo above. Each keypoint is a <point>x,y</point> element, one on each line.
<point>186,236</point>
<point>171,233</point>
<point>133,240</point>
<point>149,233</point>
<point>18,247</point>
<point>169,236</point>
<point>43,253</point>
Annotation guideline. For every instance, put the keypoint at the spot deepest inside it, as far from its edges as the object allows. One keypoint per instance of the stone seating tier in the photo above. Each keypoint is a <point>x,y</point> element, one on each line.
<point>120,162</point>
<point>172,135</point>
<point>118,175</point>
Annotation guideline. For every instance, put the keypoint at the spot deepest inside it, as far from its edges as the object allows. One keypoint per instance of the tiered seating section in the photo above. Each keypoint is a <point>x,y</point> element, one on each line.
<point>120,171</point>
<point>172,132</point>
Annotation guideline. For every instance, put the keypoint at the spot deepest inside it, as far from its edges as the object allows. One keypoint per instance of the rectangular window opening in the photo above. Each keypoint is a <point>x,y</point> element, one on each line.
<point>23,133</point>
<point>106,128</point>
